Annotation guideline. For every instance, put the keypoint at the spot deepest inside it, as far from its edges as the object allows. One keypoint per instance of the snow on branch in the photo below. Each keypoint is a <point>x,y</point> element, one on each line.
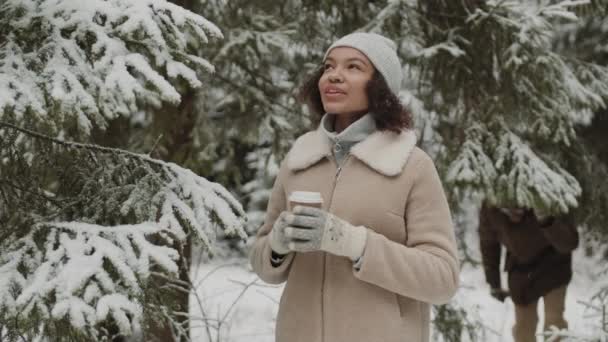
<point>119,219</point>
<point>499,56</point>
<point>526,180</point>
<point>472,167</point>
<point>510,173</point>
<point>90,61</point>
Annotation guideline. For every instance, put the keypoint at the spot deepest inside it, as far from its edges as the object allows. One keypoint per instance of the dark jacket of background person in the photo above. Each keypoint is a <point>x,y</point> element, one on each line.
<point>539,254</point>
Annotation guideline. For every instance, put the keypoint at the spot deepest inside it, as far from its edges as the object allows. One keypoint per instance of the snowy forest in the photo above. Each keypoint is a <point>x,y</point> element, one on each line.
<point>139,141</point>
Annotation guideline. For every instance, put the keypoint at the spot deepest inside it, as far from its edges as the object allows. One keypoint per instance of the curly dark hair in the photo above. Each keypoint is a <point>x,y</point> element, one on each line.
<point>385,107</point>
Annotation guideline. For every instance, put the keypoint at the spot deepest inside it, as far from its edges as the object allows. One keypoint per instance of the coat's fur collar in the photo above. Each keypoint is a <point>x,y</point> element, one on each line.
<point>385,152</point>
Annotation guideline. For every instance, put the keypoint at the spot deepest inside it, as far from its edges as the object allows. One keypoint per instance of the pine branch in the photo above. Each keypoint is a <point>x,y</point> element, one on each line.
<point>514,84</point>
<point>88,265</point>
<point>77,145</point>
<point>79,67</point>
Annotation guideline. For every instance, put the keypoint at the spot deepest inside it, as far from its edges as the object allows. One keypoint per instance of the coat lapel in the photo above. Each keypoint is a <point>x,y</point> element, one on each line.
<point>385,152</point>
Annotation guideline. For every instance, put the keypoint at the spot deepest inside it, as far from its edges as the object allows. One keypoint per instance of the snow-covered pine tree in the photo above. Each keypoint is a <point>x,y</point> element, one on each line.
<point>248,113</point>
<point>586,40</point>
<point>70,66</point>
<point>91,237</point>
<point>510,102</point>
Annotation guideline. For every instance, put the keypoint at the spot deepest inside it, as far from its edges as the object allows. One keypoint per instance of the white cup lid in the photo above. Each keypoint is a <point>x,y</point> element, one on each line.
<point>306,197</point>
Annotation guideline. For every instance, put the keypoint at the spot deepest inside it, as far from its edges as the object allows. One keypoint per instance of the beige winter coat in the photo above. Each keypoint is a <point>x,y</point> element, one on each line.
<point>392,188</point>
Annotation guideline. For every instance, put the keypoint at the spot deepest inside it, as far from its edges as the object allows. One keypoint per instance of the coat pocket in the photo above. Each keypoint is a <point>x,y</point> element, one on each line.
<point>414,318</point>
<point>407,306</point>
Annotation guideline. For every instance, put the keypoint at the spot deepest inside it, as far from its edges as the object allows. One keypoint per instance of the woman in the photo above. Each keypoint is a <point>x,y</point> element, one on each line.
<point>366,266</point>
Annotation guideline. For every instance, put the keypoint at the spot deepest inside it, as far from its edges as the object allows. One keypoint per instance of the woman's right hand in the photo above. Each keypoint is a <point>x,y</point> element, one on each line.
<point>278,240</point>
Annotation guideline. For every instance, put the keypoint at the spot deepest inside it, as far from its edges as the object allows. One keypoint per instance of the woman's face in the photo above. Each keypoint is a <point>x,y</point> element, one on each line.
<point>342,85</point>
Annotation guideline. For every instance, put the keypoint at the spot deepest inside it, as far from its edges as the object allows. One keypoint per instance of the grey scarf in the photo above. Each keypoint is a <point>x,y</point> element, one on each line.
<point>342,142</point>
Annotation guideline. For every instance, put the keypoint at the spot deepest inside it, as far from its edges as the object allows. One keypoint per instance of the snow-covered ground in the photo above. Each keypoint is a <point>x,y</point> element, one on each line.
<point>235,299</point>
<point>231,293</point>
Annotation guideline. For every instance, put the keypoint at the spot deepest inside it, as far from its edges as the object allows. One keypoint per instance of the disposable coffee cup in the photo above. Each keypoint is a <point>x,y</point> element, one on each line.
<point>307,198</point>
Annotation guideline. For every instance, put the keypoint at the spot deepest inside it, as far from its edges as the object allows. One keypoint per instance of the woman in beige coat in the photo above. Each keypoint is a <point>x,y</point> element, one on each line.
<point>368,264</point>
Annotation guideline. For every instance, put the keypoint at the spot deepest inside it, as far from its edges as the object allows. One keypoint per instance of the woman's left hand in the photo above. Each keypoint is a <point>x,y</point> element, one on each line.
<point>311,229</point>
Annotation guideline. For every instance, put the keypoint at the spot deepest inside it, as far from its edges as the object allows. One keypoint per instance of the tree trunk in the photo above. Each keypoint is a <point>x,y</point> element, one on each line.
<point>177,126</point>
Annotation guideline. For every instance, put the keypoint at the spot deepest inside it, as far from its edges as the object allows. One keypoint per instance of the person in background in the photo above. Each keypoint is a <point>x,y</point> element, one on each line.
<point>538,262</point>
<point>367,265</point>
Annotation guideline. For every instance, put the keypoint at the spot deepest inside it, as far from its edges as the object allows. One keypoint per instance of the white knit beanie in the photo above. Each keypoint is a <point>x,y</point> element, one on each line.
<point>381,51</point>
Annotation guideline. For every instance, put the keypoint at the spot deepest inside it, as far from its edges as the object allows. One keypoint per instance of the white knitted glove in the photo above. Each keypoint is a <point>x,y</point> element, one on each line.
<point>278,240</point>
<point>312,229</point>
